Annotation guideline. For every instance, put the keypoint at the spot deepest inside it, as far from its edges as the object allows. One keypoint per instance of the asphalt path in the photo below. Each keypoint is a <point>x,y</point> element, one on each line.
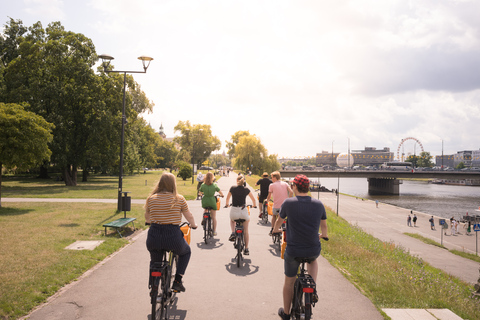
<point>117,288</point>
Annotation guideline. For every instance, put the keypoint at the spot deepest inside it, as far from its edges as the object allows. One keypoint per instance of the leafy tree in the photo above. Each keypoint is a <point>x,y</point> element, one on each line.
<point>423,160</point>
<point>196,140</point>
<point>166,154</point>
<point>51,70</point>
<point>460,166</point>
<point>24,138</point>
<point>234,141</point>
<point>250,154</point>
<point>184,170</point>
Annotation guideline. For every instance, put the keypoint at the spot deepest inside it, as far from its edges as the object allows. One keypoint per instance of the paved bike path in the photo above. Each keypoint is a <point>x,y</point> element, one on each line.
<point>117,288</point>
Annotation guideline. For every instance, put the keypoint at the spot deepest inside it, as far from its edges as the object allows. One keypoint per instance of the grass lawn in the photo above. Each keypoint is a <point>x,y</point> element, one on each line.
<point>97,186</point>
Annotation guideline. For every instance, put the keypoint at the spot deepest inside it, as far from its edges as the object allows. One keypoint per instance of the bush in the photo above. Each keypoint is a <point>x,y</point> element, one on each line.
<point>184,170</point>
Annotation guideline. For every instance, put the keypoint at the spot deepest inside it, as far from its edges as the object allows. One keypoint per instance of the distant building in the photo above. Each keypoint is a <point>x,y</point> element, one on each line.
<point>446,162</point>
<point>463,156</point>
<point>161,133</point>
<point>370,156</point>
<point>476,158</point>
<point>326,159</point>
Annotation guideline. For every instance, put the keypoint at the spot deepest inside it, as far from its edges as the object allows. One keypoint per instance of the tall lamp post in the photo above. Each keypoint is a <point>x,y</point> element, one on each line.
<point>106,59</point>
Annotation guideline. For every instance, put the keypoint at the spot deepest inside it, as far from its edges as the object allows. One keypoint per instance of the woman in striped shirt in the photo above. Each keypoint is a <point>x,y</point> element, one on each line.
<point>163,210</point>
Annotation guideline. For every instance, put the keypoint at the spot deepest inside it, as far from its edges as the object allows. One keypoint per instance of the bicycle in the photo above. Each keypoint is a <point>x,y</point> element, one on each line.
<point>277,236</point>
<point>207,222</point>
<point>207,225</point>
<point>239,241</point>
<point>160,279</point>
<point>304,292</point>
<point>264,209</point>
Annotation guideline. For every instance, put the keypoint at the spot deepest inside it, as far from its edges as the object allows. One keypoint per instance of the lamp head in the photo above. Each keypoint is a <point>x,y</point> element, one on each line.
<point>105,61</point>
<point>145,61</point>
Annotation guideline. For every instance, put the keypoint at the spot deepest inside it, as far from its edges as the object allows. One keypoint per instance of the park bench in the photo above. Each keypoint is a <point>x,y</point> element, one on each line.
<point>119,224</point>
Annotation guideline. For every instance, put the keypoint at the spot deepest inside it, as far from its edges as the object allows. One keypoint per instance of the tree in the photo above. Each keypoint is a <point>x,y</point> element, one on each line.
<point>423,160</point>
<point>24,138</point>
<point>184,170</point>
<point>460,166</point>
<point>234,141</point>
<point>166,154</point>
<point>196,140</point>
<point>51,70</point>
<point>250,154</point>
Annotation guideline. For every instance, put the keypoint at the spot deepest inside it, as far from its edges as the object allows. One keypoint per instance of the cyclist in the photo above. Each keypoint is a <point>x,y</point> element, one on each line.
<point>280,190</point>
<point>306,216</point>
<point>163,210</point>
<point>264,183</point>
<point>208,189</point>
<point>238,194</point>
<point>200,179</point>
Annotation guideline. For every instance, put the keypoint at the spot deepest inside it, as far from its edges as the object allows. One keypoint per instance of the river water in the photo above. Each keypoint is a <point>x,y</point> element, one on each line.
<point>441,200</point>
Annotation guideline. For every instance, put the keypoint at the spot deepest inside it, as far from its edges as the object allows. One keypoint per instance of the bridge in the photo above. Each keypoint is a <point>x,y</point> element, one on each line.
<point>384,181</point>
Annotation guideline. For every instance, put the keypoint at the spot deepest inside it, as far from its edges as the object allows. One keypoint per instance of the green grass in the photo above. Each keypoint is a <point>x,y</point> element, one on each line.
<point>34,263</point>
<point>463,254</point>
<point>97,186</point>
<point>390,277</point>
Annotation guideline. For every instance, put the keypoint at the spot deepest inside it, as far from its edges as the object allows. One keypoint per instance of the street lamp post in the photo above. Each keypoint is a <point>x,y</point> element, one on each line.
<point>106,59</point>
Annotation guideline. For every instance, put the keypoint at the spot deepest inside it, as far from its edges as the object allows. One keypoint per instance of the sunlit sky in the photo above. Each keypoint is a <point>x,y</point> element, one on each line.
<point>303,76</point>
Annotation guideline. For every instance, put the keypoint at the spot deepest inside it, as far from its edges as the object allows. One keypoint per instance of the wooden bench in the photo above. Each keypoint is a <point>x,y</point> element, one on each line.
<point>119,224</point>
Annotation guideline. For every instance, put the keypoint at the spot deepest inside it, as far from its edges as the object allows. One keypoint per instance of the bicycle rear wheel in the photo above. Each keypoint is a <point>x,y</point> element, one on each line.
<point>301,304</point>
<point>239,249</point>
<point>265,213</point>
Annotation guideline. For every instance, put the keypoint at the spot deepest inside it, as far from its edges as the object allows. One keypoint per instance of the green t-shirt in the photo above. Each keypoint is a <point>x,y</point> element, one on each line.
<point>208,199</point>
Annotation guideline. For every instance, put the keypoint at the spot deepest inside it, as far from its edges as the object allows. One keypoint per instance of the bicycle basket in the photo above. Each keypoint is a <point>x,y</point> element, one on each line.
<point>186,233</point>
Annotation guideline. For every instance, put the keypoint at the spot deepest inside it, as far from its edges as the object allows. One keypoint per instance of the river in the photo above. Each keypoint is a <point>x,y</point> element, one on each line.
<point>436,199</point>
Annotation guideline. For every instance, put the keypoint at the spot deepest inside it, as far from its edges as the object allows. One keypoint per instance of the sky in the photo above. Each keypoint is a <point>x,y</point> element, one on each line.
<point>303,76</point>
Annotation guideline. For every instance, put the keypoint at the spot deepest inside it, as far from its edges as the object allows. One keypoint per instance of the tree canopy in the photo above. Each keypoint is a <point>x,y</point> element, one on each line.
<point>24,138</point>
<point>250,154</point>
<point>197,141</point>
<point>423,160</point>
<point>51,71</point>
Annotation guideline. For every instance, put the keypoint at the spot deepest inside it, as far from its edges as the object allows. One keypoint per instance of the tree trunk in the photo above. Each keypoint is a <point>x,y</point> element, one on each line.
<point>84,175</point>
<point>70,175</point>
<point>44,171</point>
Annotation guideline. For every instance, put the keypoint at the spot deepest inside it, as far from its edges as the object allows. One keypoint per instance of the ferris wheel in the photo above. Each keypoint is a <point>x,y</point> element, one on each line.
<point>401,144</point>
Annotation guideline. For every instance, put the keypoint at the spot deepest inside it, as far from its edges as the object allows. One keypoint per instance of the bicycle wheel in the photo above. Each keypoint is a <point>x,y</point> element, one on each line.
<point>210,229</point>
<point>265,213</point>
<point>205,231</point>
<point>301,304</point>
<point>239,249</point>
<point>155,305</point>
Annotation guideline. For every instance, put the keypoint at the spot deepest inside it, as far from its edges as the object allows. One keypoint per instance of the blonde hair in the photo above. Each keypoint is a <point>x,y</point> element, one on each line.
<point>167,183</point>
<point>276,174</point>
<point>240,180</point>
<point>208,178</point>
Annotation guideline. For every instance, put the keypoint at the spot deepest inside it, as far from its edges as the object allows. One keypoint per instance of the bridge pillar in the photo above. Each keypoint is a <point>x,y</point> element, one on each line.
<point>377,186</point>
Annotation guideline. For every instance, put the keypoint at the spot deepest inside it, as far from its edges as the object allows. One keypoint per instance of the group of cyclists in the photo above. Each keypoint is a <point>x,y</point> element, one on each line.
<point>164,209</point>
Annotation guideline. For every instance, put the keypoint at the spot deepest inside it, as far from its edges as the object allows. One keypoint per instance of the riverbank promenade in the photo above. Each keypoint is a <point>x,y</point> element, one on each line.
<point>117,288</point>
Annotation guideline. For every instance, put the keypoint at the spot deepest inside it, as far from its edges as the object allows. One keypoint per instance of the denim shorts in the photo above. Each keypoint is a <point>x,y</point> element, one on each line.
<point>275,211</point>
<point>291,265</point>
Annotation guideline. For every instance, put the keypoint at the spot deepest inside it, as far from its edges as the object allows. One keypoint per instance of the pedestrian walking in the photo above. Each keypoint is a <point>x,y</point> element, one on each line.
<point>414,220</point>
<point>432,223</point>
<point>409,221</point>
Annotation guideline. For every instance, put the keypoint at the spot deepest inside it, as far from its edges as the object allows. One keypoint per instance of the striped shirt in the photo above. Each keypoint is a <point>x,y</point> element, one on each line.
<point>159,206</point>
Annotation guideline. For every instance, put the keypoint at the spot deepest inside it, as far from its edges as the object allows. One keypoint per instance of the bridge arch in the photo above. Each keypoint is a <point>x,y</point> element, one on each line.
<point>401,143</point>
